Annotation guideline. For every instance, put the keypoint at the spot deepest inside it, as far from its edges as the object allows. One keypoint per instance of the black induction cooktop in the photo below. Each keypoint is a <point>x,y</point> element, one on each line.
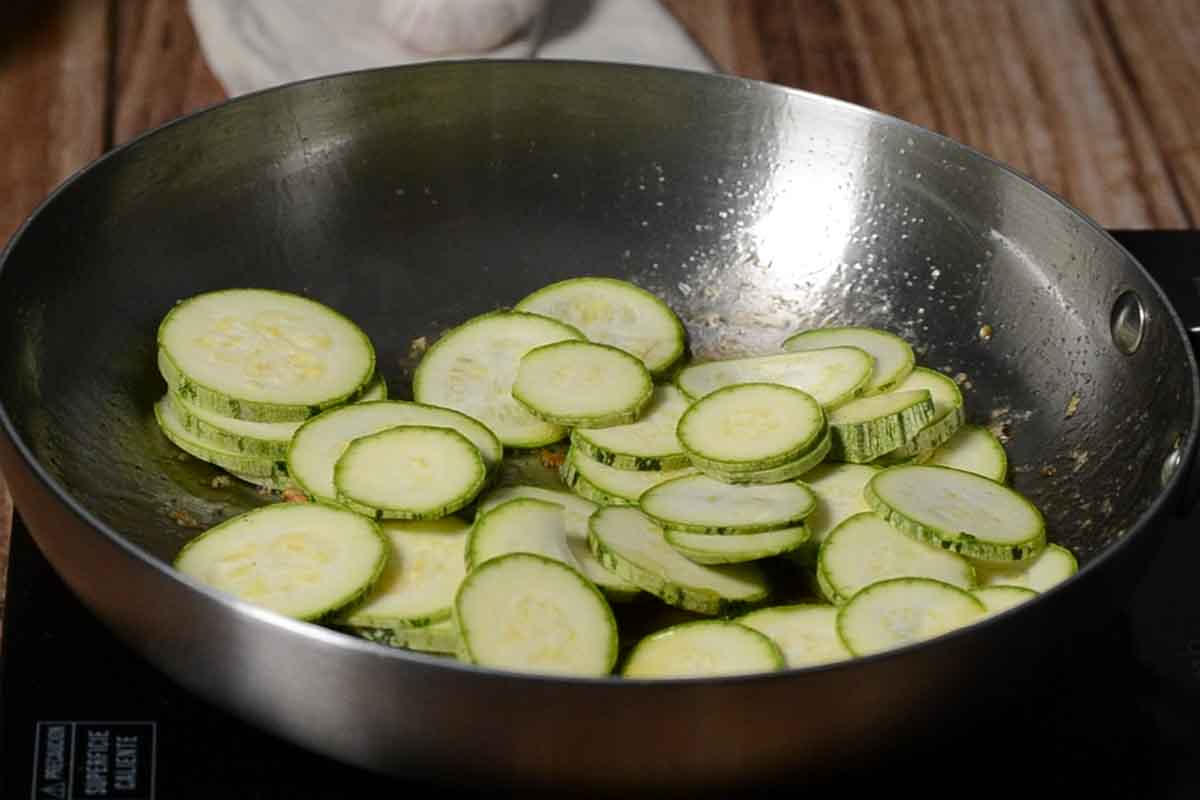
<point>82,716</point>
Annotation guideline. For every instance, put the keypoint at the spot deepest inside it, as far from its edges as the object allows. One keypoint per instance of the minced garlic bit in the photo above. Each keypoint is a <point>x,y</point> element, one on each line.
<point>417,347</point>
<point>985,332</point>
<point>294,495</point>
<point>1072,406</point>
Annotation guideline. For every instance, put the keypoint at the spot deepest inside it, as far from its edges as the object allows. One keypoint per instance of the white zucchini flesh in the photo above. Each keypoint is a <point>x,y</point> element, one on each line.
<point>301,560</point>
<point>704,548</point>
<point>254,469</point>
<point>576,512</point>
<point>263,355</point>
<point>472,368</point>
<point>409,472</point>
<point>832,376</point>
<point>649,443</point>
<point>973,449</point>
<point>575,383</point>
<point>750,426</point>
<point>902,611</point>
<point>706,648</point>
<point>806,633</point>
<point>958,511</point>
<point>439,637</point>
<point>424,571</point>
<point>616,313</point>
<point>864,550</point>
<point>533,614</point>
<point>1053,565</point>
<point>320,442</point>
<point>948,415</point>
<point>996,599</point>
<point>893,357</point>
<point>867,428</point>
<point>702,504</point>
<point>839,492</point>
<point>521,525</point>
<point>635,547</point>
<point>626,485</point>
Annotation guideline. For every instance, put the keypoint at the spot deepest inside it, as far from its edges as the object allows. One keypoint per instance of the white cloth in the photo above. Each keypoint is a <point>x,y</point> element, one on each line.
<point>255,44</point>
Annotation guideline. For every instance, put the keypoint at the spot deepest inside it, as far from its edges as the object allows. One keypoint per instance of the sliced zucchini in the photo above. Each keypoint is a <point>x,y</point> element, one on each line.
<point>832,376</point>
<point>958,511</point>
<point>533,614</point>
<point>948,415</point>
<point>704,548</point>
<point>750,427</point>
<point>576,511</point>
<point>784,472</point>
<point>634,546</point>
<point>702,504</point>
<point>1001,598</point>
<point>272,473</point>
<point>472,367</point>
<point>1053,565</point>
<point>305,561</point>
<point>417,587</point>
<point>865,429</point>
<point>604,484</point>
<point>864,550</point>
<point>521,525</point>
<point>893,357</point>
<point>649,443</point>
<point>616,313</point>
<point>574,383</point>
<point>409,472</point>
<point>902,611</point>
<point>275,483</point>
<point>705,648</point>
<point>440,637</point>
<point>973,449</point>
<point>319,443</point>
<point>806,633</point>
<point>262,355</point>
<point>839,492</point>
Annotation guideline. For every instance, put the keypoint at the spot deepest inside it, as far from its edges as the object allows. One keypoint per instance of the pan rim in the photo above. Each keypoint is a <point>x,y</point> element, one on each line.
<point>329,637</point>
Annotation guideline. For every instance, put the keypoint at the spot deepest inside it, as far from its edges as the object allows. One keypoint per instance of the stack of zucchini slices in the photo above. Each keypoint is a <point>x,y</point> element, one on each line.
<point>797,508</point>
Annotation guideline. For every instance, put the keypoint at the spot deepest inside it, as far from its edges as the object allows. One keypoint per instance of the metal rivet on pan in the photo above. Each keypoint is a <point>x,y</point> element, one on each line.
<point>1128,322</point>
<point>1170,465</point>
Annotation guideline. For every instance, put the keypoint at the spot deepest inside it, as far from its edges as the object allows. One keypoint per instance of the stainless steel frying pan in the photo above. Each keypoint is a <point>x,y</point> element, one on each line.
<point>412,198</point>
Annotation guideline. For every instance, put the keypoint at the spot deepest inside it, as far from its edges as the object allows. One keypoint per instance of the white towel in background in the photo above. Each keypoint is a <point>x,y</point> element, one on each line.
<point>255,44</point>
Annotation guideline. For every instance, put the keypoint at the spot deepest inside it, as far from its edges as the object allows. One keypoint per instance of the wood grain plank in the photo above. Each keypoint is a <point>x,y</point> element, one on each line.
<point>161,73</point>
<point>725,31</point>
<point>54,60</point>
<point>1160,52</point>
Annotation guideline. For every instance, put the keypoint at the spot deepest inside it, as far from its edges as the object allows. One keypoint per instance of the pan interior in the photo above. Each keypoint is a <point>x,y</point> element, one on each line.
<point>412,199</point>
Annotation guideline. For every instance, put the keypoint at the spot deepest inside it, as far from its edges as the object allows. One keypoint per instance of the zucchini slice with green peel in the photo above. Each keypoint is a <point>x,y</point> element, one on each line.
<point>702,504</point>
<point>706,648</point>
<point>790,471</point>
<point>609,486</point>
<point>973,449</point>
<point>948,416</point>
<point>269,472</point>
<point>901,611</point>
<point>1053,565</point>
<point>439,637</point>
<point>750,427</point>
<point>472,368</point>
<point>263,355</point>
<point>534,614</point>
<point>576,511</point>
<point>839,492</point>
<point>893,357</point>
<point>318,443</point>
<point>704,548</point>
<point>521,525</point>
<point>574,383</point>
<point>958,511</point>
<point>635,547</point>
<point>806,633</point>
<point>832,376</point>
<point>409,472</point>
<point>417,587</point>
<point>864,550</point>
<point>1001,598</point>
<point>302,560</point>
<point>616,313</point>
<point>649,443</point>
<point>865,429</point>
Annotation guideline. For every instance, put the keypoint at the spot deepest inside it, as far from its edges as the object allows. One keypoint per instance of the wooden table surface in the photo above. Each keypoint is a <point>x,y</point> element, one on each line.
<point>1097,99</point>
